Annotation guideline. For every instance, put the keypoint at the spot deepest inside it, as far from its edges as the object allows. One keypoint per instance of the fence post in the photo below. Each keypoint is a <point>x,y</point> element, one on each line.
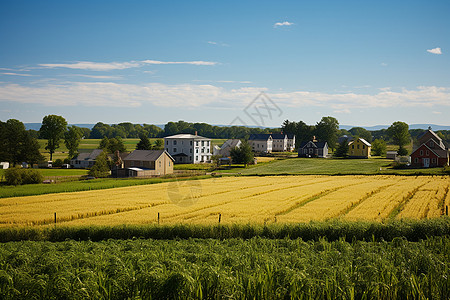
<point>158,218</point>
<point>446,210</point>
<point>55,218</point>
<point>220,216</point>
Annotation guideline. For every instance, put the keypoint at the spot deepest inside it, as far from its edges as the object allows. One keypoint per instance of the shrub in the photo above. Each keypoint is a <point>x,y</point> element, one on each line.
<point>402,151</point>
<point>18,176</point>
<point>57,163</point>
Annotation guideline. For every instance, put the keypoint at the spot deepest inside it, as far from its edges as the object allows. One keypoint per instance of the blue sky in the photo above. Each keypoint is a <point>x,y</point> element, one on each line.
<point>206,61</point>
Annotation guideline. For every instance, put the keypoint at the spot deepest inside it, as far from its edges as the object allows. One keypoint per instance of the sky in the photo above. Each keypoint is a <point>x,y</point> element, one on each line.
<point>249,63</point>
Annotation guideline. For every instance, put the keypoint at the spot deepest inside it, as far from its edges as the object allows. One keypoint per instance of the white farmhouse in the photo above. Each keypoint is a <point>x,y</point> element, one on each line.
<point>188,148</point>
<point>261,142</point>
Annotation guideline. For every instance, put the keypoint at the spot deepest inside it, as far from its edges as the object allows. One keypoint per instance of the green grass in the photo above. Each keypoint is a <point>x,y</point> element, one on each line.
<point>317,166</point>
<point>82,185</point>
<point>254,268</point>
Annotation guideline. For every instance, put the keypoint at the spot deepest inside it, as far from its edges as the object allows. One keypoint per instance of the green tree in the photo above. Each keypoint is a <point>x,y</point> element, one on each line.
<point>30,150</point>
<point>72,138</point>
<point>327,130</point>
<point>101,166</point>
<point>399,134</point>
<point>159,144</point>
<point>242,154</point>
<point>362,133</point>
<point>111,145</point>
<point>342,149</point>
<point>144,144</point>
<point>53,129</point>
<point>379,147</point>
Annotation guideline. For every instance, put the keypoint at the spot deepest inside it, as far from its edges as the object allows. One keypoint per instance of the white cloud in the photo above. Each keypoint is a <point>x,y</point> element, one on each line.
<point>285,23</point>
<point>15,74</point>
<point>94,76</point>
<point>384,64</point>
<point>435,50</point>
<point>96,66</point>
<point>197,62</point>
<point>218,44</point>
<point>111,94</point>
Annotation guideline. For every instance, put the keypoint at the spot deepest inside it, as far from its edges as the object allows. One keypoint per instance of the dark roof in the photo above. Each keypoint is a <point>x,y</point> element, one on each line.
<point>145,155</point>
<point>179,154</point>
<point>89,155</point>
<point>278,136</point>
<point>438,152</point>
<point>260,136</point>
<point>316,144</point>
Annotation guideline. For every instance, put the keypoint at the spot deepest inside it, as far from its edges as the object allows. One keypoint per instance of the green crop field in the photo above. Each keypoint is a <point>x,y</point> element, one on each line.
<point>257,268</point>
<point>316,166</point>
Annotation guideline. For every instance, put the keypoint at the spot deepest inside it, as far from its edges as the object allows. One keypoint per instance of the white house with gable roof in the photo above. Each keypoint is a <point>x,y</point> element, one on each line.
<point>188,148</point>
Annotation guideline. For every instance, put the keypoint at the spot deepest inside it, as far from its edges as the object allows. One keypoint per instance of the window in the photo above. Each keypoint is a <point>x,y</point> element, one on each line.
<point>169,163</point>
<point>431,144</point>
<point>203,150</point>
<point>364,146</point>
<point>190,143</point>
<point>175,142</point>
<point>433,160</point>
<point>427,153</point>
<point>196,158</point>
<point>421,152</point>
<point>190,150</point>
<point>257,145</point>
<point>203,143</point>
<point>160,164</point>
<point>196,150</point>
<point>357,146</point>
<point>353,146</point>
<point>196,143</point>
<point>416,160</point>
<point>174,149</point>
<point>190,158</point>
<point>167,142</point>
<point>207,143</point>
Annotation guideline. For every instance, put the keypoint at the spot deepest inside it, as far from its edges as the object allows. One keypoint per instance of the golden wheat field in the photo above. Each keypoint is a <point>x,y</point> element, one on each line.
<point>282,199</point>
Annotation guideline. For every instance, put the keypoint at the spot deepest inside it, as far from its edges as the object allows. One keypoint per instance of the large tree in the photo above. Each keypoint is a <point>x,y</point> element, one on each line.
<point>327,130</point>
<point>72,138</point>
<point>144,144</point>
<point>242,154</point>
<point>53,129</point>
<point>399,134</point>
<point>362,133</point>
<point>112,145</point>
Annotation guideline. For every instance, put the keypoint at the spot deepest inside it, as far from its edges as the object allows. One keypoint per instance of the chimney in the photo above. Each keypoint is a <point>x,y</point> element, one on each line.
<point>196,132</point>
<point>314,139</point>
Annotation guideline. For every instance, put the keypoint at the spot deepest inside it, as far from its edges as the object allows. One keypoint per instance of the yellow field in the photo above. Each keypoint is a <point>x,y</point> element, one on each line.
<point>281,199</point>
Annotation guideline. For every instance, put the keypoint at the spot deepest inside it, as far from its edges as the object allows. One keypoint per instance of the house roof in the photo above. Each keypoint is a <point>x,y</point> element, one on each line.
<point>259,136</point>
<point>186,136</point>
<point>230,143</point>
<point>363,141</point>
<point>278,136</point>
<point>314,144</point>
<point>146,155</point>
<point>89,155</point>
<point>437,152</point>
<point>290,136</point>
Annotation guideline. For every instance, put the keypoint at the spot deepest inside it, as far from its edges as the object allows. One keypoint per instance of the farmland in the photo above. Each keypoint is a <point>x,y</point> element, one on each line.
<point>240,200</point>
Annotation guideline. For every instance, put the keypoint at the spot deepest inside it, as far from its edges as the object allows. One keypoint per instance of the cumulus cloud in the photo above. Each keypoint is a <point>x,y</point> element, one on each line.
<point>285,23</point>
<point>435,50</point>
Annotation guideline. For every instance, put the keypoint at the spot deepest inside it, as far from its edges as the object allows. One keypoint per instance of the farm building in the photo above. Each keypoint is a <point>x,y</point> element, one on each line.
<point>85,160</point>
<point>432,152</point>
<point>4,165</point>
<point>261,142</point>
<point>283,142</point>
<point>146,163</point>
<point>313,149</point>
<point>188,148</point>
<point>359,148</point>
<point>391,155</point>
<point>225,149</point>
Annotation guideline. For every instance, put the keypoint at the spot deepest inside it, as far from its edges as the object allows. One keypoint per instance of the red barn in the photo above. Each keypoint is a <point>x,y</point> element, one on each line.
<point>431,153</point>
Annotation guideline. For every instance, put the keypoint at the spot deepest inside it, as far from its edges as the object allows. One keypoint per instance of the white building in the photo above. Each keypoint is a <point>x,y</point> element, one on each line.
<point>261,142</point>
<point>188,148</point>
